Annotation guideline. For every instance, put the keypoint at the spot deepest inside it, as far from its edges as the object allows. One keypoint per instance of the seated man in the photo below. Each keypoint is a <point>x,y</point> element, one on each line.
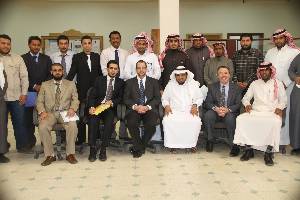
<point>142,97</point>
<point>107,90</point>
<point>55,96</point>
<point>223,104</point>
<point>181,99</point>
<point>260,126</point>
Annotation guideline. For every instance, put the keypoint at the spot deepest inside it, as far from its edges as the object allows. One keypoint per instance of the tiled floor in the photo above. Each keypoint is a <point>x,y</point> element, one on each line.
<point>181,176</point>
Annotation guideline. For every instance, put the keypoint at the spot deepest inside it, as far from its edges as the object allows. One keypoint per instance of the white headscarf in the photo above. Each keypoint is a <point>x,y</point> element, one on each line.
<point>2,79</point>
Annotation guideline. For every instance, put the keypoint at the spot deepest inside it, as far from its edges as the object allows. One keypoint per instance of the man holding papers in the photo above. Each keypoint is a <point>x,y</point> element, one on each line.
<point>105,96</point>
<point>57,97</point>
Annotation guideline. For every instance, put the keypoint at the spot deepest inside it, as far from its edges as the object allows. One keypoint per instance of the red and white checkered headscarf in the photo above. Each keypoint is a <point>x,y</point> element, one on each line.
<point>142,36</point>
<point>223,46</point>
<point>289,38</point>
<point>265,65</point>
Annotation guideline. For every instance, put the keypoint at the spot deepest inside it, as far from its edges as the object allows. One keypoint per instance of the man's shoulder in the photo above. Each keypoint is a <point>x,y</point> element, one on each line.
<point>67,82</point>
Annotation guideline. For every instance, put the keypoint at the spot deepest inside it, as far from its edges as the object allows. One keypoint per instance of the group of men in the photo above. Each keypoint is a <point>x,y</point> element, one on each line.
<point>141,80</point>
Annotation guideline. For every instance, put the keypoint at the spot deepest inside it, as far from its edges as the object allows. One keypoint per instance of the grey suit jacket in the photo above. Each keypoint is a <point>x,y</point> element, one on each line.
<point>46,96</point>
<point>214,94</point>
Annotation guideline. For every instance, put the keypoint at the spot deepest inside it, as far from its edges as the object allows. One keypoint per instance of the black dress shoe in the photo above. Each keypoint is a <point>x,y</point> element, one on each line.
<point>247,155</point>
<point>295,152</point>
<point>282,149</point>
<point>268,159</point>
<point>102,155</point>
<point>93,154</point>
<point>3,159</point>
<point>235,151</point>
<point>209,146</point>
<point>137,154</point>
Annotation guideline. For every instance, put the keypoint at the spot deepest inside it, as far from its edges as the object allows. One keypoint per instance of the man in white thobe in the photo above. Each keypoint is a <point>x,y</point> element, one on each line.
<point>259,127</point>
<point>181,99</point>
<point>281,57</point>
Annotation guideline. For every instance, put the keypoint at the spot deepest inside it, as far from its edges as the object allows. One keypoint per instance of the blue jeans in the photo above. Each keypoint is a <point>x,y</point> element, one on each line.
<point>17,117</point>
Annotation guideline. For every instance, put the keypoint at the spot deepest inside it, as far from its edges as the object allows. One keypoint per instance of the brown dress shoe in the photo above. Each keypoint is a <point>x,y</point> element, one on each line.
<point>49,160</point>
<point>71,159</point>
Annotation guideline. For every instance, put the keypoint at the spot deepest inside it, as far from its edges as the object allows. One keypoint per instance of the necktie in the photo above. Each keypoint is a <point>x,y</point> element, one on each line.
<point>64,64</point>
<point>109,90</point>
<point>142,93</point>
<point>35,58</point>
<point>116,56</point>
<point>89,62</point>
<point>57,97</point>
<point>223,103</point>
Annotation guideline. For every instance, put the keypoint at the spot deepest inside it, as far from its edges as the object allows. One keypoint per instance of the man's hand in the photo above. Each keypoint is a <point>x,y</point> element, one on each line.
<point>248,108</point>
<point>168,110</point>
<point>194,110</point>
<point>297,80</point>
<point>278,112</point>
<point>70,113</point>
<point>37,87</point>
<point>92,110</point>
<point>161,92</point>
<point>242,85</point>
<point>22,99</point>
<point>43,116</point>
<point>109,102</point>
<point>224,110</point>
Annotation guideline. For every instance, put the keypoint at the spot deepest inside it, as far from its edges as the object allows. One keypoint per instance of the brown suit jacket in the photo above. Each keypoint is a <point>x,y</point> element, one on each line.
<point>68,98</point>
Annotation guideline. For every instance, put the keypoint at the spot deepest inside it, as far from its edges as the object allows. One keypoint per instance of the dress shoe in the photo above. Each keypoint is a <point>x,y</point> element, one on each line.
<point>49,160</point>
<point>235,151</point>
<point>193,149</point>
<point>247,155</point>
<point>295,152</point>
<point>209,146</point>
<point>282,149</point>
<point>137,154</point>
<point>102,155</point>
<point>93,154</point>
<point>268,159</point>
<point>3,159</point>
<point>71,159</point>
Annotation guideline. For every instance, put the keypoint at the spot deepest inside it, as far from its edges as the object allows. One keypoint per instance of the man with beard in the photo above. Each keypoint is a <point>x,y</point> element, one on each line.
<point>38,67</point>
<point>172,57</point>
<point>198,54</point>
<point>281,56</point>
<point>245,62</point>
<point>212,64</point>
<point>259,127</point>
<point>55,96</point>
<point>181,99</point>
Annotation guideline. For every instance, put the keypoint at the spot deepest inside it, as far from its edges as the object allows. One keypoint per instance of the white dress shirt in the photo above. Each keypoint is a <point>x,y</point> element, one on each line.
<point>56,58</point>
<point>281,60</point>
<point>153,67</point>
<point>109,54</point>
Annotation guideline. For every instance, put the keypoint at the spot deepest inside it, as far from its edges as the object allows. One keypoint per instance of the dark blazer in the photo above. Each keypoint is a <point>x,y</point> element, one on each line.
<point>85,77</point>
<point>214,95</point>
<point>38,72</point>
<point>2,91</point>
<point>98,92</point>
<point>152,93</point>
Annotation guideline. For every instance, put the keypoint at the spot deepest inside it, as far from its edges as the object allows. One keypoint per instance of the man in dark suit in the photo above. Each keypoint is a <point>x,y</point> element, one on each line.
<point>38,67</point>
<point>86,65</point>
<point>222,103</point>
<point>107,90</point>
<point>142,97</point>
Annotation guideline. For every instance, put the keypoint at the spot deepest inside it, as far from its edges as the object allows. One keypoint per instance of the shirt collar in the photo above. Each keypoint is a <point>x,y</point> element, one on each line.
<point>226,85</point>
<point>144,79</point>
<point>113,48</point>
<point>37,55</point>
<point>54,81</point>
<point>67,53</point>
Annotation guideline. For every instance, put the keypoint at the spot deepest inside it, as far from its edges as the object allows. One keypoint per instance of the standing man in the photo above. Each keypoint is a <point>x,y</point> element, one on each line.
<point>172,57</point>
<point>142,47</point>
<point>281,56</point>
<point>38,68</point>
<point>3,127</point>
<point>107,90</point>
<point>223,104</point>
<point>199,53</point>
<point>142,97</point>
<point>259,127</point>
<point>16,94</point>
<point>294,125</point>
<point>245,62</point>
<point>64,55</point>
<point>86,67</point>
<point>114,52</point>
<point>55,96</point>
<point>212,64</point>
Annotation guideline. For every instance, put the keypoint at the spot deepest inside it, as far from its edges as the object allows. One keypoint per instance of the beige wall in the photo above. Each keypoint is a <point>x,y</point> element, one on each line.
<point>22,18</point>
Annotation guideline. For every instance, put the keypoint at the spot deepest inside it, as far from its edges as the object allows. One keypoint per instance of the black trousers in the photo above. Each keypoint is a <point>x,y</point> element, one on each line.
<point>149,120</point>
<point>81,125</point>
<point>210,119</point>
<point>30,128</point>
<point>94,122</point>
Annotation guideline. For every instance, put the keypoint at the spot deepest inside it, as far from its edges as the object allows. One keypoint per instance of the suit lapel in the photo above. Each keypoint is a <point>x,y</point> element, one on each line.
<point>62,88</point>
<point>230,94</point>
